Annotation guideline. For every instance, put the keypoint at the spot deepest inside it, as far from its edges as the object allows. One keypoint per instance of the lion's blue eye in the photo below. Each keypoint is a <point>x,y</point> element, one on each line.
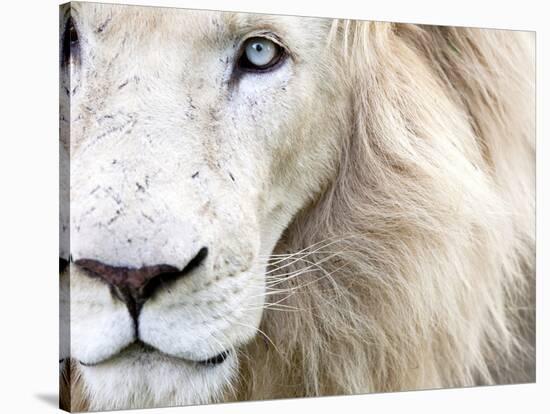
<point>260,51</point>
<point>260,54</point>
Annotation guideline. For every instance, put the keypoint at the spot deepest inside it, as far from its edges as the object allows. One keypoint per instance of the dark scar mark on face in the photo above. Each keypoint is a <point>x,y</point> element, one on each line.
<point>148,218</point>
<point>103,25</point>
<point>231,175</point>
<point>190,102</point>
<point>104,117</point>
<point>115,217</point>
<point>123,84</point>
<point>195,175</point>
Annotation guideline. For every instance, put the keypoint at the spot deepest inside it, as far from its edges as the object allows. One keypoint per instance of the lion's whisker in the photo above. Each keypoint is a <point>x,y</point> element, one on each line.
<point>306,253</point>
<point>301,259</point>
<point>289,275</point>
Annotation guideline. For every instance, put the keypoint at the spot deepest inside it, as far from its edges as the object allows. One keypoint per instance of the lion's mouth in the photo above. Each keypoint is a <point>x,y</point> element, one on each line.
<point>141,348</point>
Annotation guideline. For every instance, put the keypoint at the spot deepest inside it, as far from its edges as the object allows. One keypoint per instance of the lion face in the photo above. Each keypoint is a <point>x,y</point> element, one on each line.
<point>189,155</point>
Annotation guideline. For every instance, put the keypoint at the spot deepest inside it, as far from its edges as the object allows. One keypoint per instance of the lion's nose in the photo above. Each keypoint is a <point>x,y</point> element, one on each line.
<point>135,285</point>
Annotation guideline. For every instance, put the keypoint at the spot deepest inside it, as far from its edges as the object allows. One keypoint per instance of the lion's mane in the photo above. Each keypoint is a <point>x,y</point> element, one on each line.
<point>415,268</point>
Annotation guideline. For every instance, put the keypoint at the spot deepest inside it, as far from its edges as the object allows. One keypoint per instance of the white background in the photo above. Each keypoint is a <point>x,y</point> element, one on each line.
<point>28,202</point>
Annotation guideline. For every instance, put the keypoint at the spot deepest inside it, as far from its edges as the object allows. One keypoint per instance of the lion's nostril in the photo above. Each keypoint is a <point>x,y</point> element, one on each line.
<point>135,285</point>
<point>197,260</point>
<point>168,277</point>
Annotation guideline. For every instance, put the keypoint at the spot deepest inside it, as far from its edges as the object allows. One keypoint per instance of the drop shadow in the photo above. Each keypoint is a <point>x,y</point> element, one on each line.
<point>50,399</point>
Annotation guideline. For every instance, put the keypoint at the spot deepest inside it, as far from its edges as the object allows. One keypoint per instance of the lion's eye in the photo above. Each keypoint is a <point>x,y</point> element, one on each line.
<point>70,52</point>
<point>260,54</point>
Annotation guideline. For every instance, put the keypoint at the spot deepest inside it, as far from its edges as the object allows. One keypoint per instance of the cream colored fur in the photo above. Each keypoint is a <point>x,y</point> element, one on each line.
<point>379,231</point>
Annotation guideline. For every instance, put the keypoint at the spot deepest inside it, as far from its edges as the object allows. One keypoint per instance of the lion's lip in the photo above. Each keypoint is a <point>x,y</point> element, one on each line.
<point>215,360</point>
<point>144,348</point>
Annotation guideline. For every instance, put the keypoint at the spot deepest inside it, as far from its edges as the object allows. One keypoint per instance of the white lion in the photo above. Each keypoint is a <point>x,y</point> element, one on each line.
<point>267,206</point>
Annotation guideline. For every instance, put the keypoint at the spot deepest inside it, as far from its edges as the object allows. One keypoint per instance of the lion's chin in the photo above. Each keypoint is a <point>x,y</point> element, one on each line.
<point>141,376</point>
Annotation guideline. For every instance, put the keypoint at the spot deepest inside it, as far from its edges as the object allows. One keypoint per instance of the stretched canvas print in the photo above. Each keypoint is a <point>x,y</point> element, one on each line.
<point>260,206</point>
